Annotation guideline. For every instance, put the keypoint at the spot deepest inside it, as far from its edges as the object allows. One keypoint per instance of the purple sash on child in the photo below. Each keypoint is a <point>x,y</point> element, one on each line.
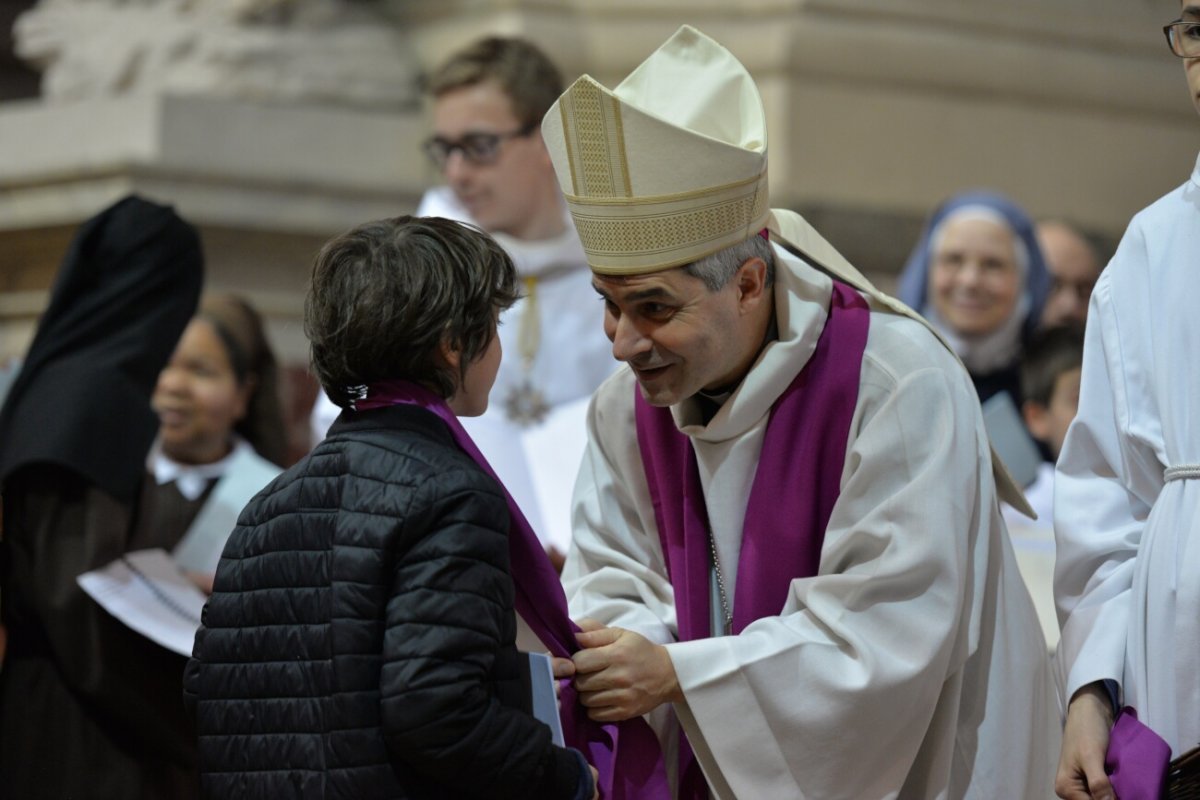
<point>791,499</point>
<point>626,754</point>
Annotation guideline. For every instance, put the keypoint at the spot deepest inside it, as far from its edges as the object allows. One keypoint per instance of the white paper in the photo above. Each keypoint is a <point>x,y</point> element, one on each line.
<point>544,703</point>
<point>146,591</point>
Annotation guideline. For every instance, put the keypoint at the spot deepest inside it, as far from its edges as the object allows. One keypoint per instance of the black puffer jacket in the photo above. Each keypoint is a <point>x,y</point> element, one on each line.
<point>359,641</point>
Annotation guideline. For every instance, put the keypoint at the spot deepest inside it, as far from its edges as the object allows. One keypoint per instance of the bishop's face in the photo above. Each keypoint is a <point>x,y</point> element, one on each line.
<point>677,335</point>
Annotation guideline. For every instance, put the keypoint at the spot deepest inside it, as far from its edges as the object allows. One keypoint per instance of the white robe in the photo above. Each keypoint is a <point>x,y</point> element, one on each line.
<point>912,664</point>
<point>1129,540</point>
<point>1033,545</point>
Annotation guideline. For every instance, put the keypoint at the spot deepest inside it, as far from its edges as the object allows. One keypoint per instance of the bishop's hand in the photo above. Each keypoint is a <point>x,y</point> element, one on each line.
<point>620,674</point>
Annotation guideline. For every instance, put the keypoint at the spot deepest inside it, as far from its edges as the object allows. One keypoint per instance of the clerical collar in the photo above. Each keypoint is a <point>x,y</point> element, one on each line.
<point>190,479</point>
<point>709,403</point>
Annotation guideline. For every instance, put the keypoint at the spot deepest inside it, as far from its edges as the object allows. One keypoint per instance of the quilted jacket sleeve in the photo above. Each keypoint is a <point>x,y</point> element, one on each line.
<point>450,605</point>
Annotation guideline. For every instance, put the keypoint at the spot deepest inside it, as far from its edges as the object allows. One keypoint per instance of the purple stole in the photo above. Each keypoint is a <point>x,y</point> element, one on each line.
<point>791,498</point>
<point>626,754</point>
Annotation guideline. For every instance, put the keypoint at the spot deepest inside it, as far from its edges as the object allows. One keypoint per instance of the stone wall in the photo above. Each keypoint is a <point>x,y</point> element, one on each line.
<point>876,112</point>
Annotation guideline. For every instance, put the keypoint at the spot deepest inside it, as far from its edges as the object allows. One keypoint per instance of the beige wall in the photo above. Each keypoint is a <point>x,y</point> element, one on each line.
<point>877,111</point>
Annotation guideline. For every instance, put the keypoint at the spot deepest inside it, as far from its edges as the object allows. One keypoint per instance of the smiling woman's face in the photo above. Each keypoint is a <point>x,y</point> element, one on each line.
<point>974,281</point>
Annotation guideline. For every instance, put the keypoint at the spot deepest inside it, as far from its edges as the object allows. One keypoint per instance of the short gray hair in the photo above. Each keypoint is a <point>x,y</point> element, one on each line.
<point>717,269</point>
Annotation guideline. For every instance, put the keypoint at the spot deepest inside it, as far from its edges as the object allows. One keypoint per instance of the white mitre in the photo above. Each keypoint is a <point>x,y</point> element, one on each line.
<point>668,167</point>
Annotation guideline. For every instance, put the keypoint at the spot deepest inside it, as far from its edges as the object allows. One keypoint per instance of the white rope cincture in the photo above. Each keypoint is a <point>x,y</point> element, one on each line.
<point>1182,472</point>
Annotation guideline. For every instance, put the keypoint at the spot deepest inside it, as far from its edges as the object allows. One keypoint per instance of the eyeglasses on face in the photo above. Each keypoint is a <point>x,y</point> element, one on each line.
<point>1183,38</point>
<point>477,148</point>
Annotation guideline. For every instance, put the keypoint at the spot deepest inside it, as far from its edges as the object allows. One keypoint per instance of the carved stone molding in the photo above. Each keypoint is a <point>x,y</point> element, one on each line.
<point>307,51</point>
<point>275,123</point>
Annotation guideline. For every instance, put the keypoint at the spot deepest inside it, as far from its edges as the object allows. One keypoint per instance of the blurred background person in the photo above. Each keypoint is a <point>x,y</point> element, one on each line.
<point>1074,266</point>
<point>978,276</point>
<point>88,707</point>
<point>221,435</point>
<point>1050,373</point>
<point>488,104</point>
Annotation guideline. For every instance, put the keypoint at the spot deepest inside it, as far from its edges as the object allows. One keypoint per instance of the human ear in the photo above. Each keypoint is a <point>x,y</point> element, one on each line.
<point>751,282</point>
<point>1036,419</point>
<point>450,354</point>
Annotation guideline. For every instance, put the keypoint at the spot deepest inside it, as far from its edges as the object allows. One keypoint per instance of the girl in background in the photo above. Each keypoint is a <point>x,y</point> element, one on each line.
<point>221,435</point>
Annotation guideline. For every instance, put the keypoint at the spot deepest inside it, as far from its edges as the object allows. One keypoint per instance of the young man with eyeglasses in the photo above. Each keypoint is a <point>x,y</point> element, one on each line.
<point>1127,499</point>
<point>488,102</point>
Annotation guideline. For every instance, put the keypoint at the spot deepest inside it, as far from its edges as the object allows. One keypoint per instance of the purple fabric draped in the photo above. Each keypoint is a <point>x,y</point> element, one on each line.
<point>791,498</point>
<point>626,754</point>
<point>1137,759</point>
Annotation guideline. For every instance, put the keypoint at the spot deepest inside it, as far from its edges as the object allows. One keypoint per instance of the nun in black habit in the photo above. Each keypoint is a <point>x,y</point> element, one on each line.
<point>89,708</point>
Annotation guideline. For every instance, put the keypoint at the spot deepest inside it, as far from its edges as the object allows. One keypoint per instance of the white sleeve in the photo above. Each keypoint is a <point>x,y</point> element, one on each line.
<point>1107,479</point>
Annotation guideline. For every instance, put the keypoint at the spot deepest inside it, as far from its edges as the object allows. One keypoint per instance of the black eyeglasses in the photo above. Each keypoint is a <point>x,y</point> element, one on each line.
<point>477,148</point>
<point>1183,38</point>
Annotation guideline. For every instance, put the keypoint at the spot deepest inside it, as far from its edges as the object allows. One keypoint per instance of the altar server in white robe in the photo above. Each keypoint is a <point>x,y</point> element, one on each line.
<point>1126,495</point>
<point>791,459</point>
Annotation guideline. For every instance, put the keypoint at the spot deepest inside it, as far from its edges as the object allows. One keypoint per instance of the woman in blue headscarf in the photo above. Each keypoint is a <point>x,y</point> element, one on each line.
<point>978,276</point>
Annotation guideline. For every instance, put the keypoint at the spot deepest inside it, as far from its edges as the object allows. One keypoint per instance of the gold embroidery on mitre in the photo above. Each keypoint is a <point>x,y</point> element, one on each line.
<point>650,233</point>
<point>595,143</point>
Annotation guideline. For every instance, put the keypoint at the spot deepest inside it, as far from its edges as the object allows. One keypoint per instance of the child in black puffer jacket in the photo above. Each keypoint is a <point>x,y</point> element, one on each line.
<point>359,641</point>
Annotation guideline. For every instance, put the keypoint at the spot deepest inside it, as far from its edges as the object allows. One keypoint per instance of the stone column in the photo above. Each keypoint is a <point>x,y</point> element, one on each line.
<point>269,124</point>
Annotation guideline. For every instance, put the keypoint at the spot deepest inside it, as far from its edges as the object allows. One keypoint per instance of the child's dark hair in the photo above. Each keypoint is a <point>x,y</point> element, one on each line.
<point>1049,354</point>
<point>386,295</point>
